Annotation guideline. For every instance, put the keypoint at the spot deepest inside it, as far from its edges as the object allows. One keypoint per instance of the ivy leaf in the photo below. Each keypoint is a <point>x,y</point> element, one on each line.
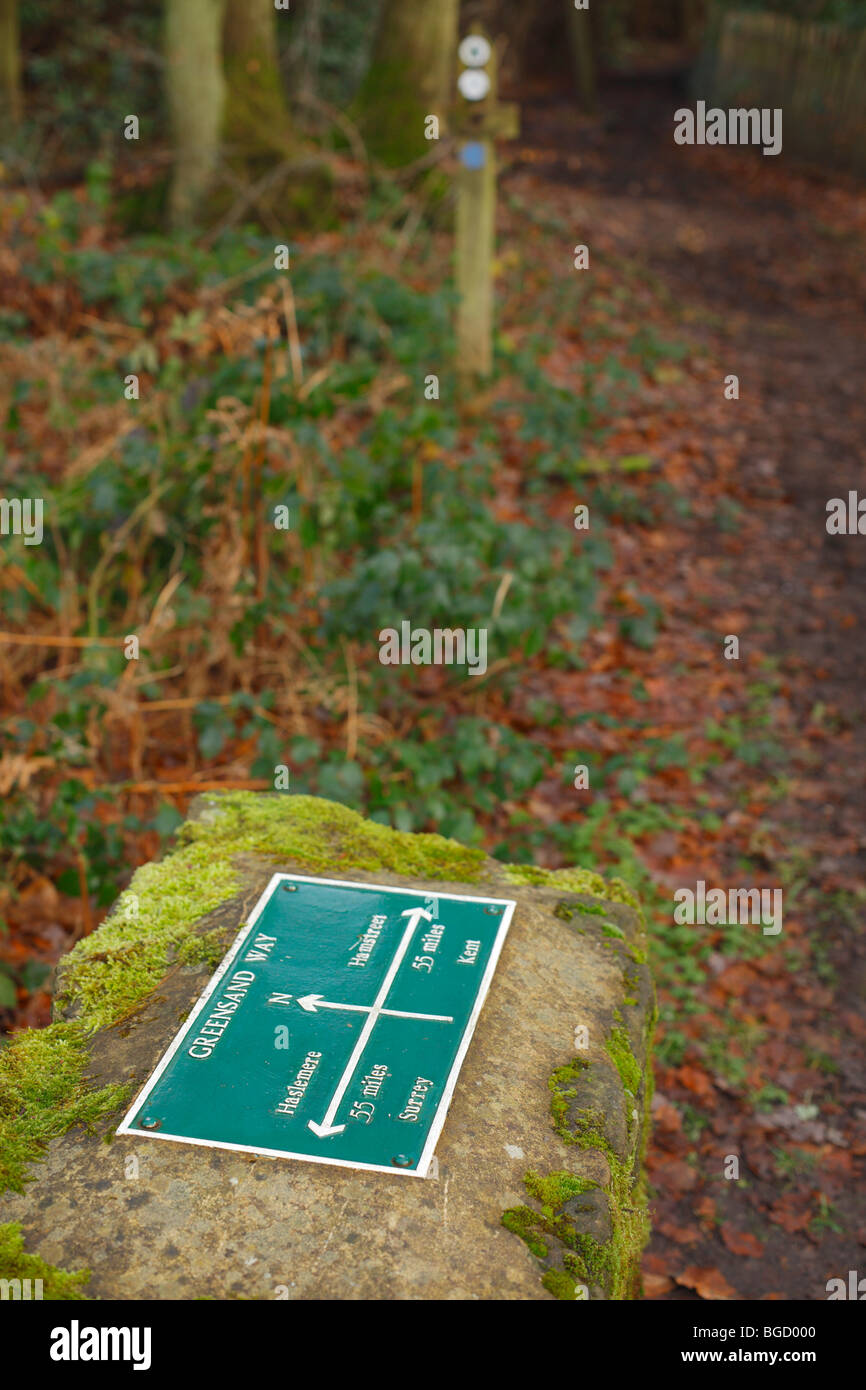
<point>34,973</point>
<point>8,996</point>
<point>211,741</point>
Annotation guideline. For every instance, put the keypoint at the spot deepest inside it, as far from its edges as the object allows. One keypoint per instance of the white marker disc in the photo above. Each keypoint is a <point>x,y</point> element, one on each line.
<point>474,51</point>
<point>473,84</point>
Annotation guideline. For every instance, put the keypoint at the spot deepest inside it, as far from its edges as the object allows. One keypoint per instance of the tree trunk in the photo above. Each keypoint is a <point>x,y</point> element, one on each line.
<point>11,102</point>
<point>256,121</point>
<point>411,76</point>
<point>196,91</point>
<point>583,60</point>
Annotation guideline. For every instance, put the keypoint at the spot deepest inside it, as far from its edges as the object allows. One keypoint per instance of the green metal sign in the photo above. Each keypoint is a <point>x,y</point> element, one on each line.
<point>335,1028</point>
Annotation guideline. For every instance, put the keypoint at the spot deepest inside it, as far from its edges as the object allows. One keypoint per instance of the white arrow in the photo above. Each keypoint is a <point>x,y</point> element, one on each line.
<point>327,1127</point>
<point>312,1002</point>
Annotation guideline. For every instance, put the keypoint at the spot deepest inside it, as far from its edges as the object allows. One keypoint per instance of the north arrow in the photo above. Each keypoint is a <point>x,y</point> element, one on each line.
<point>312,1002</point>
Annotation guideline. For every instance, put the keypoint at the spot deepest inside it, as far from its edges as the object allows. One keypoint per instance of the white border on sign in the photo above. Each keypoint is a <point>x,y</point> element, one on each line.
<point>421,1169</point>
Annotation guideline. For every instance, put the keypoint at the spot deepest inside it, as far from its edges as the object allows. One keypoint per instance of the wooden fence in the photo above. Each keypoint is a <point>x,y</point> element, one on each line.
<point>816,73</point>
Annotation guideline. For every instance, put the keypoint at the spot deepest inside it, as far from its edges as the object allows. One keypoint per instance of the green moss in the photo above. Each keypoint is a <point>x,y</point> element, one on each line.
<point>204,948</point>
<point>574,881</point>
<point>616,1264</point>
<point>575,1257</point>
<point>618,1048</point>
<point>538,1229</point>
<point>650,1085</point>
<point>575,1266</point>
<point>563,1091</point>
<point>15,1263</point>
<point>568,910</point>
<point>560,1284</point>
<point>613,1266</point>
<point>556,1189</point>
<point>523,1222</point>
<point>43,1093</point>
<point>588,1130</point>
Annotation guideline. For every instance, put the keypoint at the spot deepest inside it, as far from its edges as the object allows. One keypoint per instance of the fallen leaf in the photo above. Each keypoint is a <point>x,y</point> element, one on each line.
<point>666,1118</point>
<point>705,1208</point>
<point>741,1242</point>
<point>696,1081</point>
<point>683,1235</point>
<point>654,1285</point>
<point>672,1173</point>
<point>783,1214</point>
<point>707,1283</point>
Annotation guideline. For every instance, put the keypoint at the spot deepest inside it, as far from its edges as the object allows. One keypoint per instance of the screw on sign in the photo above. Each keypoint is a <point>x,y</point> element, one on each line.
<point>478,119</point>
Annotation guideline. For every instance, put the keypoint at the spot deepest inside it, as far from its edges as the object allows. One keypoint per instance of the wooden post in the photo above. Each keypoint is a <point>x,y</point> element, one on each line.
<point>475,247</point>
<point>478,119</point>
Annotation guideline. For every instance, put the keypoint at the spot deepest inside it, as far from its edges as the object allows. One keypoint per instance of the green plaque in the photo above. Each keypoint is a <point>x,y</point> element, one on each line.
<point>335,1028</point>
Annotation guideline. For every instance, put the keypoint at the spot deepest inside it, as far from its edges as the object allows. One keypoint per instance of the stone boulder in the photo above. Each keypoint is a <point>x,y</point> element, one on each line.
<point>538,1189</point>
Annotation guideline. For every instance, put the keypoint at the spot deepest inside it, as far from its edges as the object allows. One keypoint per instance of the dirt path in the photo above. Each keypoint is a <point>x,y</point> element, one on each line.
<point>762,269</point>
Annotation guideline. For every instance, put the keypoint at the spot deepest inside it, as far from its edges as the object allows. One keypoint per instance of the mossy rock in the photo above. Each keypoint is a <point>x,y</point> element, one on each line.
<point>528,1131</point>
